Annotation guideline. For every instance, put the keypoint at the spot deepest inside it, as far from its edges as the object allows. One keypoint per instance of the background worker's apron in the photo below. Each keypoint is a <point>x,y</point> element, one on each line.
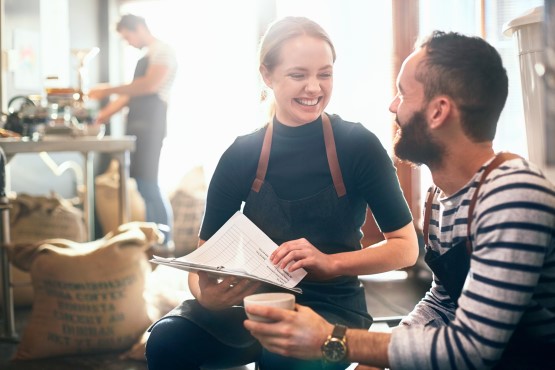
<point>146,119</point>
<point>327,220</point>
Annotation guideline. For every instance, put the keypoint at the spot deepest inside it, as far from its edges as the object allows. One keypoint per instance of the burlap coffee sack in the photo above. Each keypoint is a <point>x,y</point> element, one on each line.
<point>89,297</point>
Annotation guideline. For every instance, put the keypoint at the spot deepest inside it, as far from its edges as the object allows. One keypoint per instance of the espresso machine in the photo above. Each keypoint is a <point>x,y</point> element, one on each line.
<point>61,111</point>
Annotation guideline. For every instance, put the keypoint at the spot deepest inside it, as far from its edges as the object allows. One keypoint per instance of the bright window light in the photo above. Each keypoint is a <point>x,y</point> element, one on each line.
<point>216,94</point>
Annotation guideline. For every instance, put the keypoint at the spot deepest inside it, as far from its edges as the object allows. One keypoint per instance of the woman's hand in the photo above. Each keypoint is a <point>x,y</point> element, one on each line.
<point>301,253</point>
<point>218,294</point>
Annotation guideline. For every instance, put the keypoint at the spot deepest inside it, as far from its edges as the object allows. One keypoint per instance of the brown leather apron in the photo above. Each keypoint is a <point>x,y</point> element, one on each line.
<point>327,220</point>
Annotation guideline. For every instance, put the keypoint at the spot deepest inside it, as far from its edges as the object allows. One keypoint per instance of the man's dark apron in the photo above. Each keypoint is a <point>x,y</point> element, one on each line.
<point>452,267</point>
<point>327,220</point>
<point>146,119</point>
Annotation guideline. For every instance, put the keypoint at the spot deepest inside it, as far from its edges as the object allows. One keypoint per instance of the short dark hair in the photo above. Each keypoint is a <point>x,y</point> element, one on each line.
<point>130,22</point>
<point>470,71</point>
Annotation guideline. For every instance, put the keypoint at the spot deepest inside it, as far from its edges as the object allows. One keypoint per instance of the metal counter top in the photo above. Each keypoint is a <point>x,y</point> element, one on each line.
<point>119,147</point>
<point>59,143</point>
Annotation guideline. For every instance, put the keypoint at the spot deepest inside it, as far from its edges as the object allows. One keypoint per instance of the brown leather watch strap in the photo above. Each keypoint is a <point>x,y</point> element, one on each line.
<point>339,331</point>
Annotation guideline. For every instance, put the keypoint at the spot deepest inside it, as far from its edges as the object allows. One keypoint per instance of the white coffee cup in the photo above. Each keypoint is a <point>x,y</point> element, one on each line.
<point>280,300</point>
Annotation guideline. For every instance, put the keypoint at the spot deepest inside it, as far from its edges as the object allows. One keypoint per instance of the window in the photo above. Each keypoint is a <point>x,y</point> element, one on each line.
<point>511,131</point>
<point>216,94</point>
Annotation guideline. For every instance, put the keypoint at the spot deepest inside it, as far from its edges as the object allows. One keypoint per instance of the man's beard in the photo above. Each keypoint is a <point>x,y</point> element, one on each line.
<point>413,142</point>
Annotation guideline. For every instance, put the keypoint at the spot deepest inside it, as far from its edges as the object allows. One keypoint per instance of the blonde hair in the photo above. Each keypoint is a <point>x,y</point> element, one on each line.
<point>278,33</point>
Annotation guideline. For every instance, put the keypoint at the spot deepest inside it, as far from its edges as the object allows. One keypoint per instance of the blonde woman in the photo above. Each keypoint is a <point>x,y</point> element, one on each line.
<point>306,179</point>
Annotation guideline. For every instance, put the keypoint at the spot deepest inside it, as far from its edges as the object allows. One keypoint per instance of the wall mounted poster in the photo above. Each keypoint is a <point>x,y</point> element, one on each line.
<point>26,45</point>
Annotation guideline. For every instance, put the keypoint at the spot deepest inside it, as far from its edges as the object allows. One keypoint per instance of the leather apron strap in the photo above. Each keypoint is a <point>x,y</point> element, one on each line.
<point>264,159</point>
<point>331,153</point>
<point>499,158</point>
<point>333,162</point>
<point>428,215</point>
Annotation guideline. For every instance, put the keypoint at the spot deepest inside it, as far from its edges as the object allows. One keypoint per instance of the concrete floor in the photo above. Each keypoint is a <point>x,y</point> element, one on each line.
<point>392,294</point>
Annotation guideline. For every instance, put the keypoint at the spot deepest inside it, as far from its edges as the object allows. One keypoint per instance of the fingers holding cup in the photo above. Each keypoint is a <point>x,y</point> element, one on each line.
<point>276,299</point>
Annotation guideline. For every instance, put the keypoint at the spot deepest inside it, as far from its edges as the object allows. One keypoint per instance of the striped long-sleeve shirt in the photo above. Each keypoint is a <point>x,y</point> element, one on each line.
<point>511,282</point>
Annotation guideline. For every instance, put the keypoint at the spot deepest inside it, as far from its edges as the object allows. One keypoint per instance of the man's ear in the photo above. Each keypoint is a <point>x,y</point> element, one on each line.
<point>265,75</point>
<point>439,110</point>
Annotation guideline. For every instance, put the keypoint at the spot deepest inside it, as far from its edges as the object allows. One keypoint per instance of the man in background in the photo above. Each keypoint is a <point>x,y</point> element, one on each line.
<point>146,98</point>
<point>489,229</point>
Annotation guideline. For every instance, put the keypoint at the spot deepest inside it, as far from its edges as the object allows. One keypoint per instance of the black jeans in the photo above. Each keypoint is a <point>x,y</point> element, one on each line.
<point>177,343</point>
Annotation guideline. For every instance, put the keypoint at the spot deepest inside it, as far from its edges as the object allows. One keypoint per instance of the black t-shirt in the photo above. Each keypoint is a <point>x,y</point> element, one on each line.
<point>298,168</point>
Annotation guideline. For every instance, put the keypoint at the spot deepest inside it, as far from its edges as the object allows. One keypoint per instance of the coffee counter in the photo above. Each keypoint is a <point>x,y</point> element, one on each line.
<point>118,147</point>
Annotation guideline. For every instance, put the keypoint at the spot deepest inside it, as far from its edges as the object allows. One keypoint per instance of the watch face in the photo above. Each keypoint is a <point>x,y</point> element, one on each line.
<point>334,350</point>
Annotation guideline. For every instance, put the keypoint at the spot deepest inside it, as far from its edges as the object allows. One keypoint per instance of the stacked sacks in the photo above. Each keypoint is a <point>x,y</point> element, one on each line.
<point>188,201</point>
<point>88,297</point>
<point>107,198</point>
<point>35,218</point>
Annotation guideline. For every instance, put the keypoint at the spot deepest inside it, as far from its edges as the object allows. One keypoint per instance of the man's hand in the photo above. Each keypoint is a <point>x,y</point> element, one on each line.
<point>298,333</point>
<point>218,294</point>
<point>98,92</point>
<point>102,117</point>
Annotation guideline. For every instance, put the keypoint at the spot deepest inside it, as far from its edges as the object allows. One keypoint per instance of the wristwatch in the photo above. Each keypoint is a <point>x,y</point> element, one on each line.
<point>334,348</point>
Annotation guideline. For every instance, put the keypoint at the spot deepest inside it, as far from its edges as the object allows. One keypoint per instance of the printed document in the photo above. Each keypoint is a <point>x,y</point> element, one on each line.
<point>241,249</point>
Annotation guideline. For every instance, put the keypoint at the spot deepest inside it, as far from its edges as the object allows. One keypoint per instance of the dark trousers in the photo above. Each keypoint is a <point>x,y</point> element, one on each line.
<point>177,343</point>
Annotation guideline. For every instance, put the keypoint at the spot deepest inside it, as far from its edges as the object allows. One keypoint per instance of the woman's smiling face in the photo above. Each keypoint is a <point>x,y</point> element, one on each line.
<point>302,81</point>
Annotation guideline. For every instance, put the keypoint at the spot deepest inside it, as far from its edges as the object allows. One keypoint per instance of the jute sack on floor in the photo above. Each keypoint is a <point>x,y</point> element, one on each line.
<point>166,288</point>
<point>188,201</point>
<point>36,218</point>
<point>89,297</point>
<point>107,198</point>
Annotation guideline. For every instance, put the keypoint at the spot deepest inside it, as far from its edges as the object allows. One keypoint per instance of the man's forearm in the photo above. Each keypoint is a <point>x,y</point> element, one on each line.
<point>368,347</point>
